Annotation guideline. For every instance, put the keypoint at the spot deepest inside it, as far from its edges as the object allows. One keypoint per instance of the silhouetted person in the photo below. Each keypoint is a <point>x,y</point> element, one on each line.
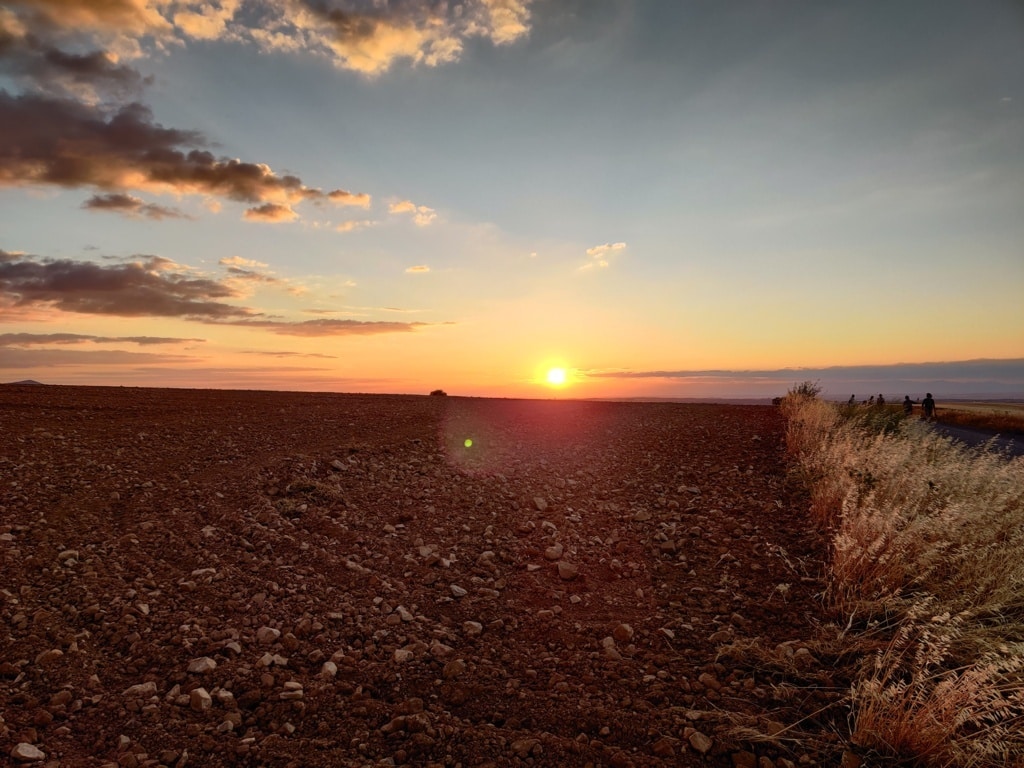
<point>928,406</point>
<point>880,402</point>
<point>871,400</point>
<point>908,405</point>
<point>852,400</point>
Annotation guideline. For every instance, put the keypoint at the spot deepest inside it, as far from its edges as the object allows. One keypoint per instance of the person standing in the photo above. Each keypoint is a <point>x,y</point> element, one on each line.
<point>908,405</point>
<point>928,407</point>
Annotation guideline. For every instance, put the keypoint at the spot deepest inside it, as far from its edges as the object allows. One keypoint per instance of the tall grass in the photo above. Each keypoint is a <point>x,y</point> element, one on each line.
<point>928,545</point>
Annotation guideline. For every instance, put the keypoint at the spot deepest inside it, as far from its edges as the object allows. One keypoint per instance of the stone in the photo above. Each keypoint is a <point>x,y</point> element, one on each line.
<point>744,759</point>
<point>523,747</point>
<point>540,503</point>
<point>458,591</point>
<point>454,669</point>
<point>141,691</point>
<point>403,655</point>
<point>202,665</point>
<point>27,753</point>
<point>267,635</point>
<point>48,657</point>
<point>700,742</point>
<point>553,552</point>
<point>199,700</point>
<point>663,747</point>
<point>567,571</point>
<point>623,633</point>
<point>472,628</point>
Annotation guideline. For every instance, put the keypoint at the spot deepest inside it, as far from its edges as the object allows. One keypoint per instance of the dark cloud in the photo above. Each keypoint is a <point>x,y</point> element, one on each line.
<point>52,358</point>
<point>287,354</point>
<point>328,327</point>
<point>151,287</point>
<point>131,206</point>
<point>963,377</point>
<point>70,144</point>
<point>93,75</point>
<point>37,339</point>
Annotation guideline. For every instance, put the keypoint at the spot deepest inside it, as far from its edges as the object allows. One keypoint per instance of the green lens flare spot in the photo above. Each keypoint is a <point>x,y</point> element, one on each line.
<point>468,443</point>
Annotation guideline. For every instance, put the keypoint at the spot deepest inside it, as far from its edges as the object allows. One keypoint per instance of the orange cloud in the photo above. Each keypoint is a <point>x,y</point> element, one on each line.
<point>341,197</point>
<point>274,213</point>
<point>371,38</point>
<point>131,206</point>
<point>422,215</point>
<point>418,269</point>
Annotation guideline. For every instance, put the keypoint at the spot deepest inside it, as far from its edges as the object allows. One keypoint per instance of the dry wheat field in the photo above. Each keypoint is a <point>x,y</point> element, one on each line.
<point>219,578</point>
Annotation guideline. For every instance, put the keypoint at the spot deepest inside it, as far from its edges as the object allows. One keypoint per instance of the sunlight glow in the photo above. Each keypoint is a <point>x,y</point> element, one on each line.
<point>556,377</point>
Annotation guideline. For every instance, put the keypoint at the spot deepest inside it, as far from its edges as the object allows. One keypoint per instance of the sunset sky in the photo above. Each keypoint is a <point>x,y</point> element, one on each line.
<point>664,199</point>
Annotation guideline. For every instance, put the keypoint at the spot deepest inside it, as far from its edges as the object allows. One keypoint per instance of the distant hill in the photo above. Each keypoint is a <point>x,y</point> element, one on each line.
<point>25,383</point>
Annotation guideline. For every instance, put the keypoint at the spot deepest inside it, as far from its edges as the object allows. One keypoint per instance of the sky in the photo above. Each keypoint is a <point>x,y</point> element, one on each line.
<point>661,199</point>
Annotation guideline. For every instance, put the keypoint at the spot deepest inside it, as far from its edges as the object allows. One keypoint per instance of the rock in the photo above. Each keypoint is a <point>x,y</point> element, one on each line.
<point>540,503</point>
<point>744,759</point>
<point>403,655</point>
<point>623,633</point>
<point>458,591</point>
<point>472,628</point>
<point>48,657</point>
<point>522,748</point>
<point>267,635</point>
<point>664,747</point>
<point>141,691</point>
<point>200,700</point>
<point>27,753</point>
<point>553,552</point>
<point>202,665</point>
<point>700,742</point>
<point>567,571</point>
<point>454,669</point>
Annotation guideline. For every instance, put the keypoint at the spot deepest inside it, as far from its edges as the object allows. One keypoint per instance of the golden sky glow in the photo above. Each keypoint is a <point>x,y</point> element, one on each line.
<point>400,197</point>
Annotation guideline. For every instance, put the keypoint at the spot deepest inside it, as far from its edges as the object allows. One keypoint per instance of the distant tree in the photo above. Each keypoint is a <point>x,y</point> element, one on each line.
<point>438,393</point>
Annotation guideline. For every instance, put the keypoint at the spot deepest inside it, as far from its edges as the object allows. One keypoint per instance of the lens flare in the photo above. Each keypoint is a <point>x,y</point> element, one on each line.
<point>469,442</point>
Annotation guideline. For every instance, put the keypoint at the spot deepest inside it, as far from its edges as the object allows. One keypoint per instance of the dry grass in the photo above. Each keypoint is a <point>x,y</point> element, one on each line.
<point>1004,418</point>
<point>928,539</point>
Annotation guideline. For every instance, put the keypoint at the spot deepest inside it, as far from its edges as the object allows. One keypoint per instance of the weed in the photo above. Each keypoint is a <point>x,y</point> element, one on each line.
<point>927,537</point>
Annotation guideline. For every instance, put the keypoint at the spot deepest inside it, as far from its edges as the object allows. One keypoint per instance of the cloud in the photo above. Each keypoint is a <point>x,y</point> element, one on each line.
<point>65,143</point>
<point>138,17</point>
<point>601,255</point>
<point>964,377</point>
<point>37,339</point>
<point>370,38</point>
<point>53,358</point>
<point>418,269</point>
<point>150,287</point>
<point>131,206</point>
<point>238,261</point>
<point>422,215</point>
<point>206,21</point>
<point>157,287</point>
<point>271,212</point>
<point>341,197</point>
<point>353,226</point>
<point>287,354</point>
<point>603,251</point>
<point>89,77</point>
<point>325,327</point>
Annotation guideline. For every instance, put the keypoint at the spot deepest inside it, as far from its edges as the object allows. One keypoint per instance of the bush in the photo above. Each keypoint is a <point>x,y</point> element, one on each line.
<point>438,393</point>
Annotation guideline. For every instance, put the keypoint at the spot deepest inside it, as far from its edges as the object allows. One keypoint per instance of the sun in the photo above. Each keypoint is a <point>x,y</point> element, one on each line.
<point>556,377</point>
